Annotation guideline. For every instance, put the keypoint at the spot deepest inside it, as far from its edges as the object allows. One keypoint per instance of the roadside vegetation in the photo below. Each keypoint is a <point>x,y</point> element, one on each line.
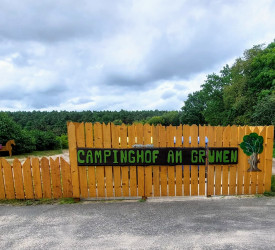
<point>38,202</point>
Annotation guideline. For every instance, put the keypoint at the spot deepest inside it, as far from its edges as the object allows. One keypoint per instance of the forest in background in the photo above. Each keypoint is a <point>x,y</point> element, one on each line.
<point>241,94</point>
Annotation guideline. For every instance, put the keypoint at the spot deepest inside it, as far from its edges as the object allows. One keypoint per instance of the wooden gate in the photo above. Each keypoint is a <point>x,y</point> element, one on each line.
<point>148,181</point>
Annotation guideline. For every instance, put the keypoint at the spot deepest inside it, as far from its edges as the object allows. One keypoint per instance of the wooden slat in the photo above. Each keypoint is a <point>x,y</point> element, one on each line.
<point>8,180</point>
<point>66,178</point>
<point>80,142</point>
<point>202,167</point>
<point>18,179</point>
<point>116,169</point>
<point>226,143</point>
<point>194,169</point>
<point>73,159</point>
<point>124,169</point>
<point>56,181</point>
<point>27,179</point>
<point>99,169</point>
<point>218,168</point>
<point>179,167</point>
<point>36,178</point>
<point>233,169</point>
<point>133,169</point>
<point>155,134</point>
<point>147,132</point>
<point>269,150</point>
<point>2,186</point>
<point>163,169</point>
<point>241,161</point>
<point>210,168</point>
<point>254,175</point>
<point>261,164</point>
<point>141,181</point>
<point>186,168</point>
<point>171,133</point>
<point>91,170</point>
<point>46,178</point>
<point>108,169</point>
<point>246,167</point>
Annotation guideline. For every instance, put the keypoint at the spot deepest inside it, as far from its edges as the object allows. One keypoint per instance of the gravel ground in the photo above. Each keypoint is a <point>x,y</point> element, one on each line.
<point>190,223</point>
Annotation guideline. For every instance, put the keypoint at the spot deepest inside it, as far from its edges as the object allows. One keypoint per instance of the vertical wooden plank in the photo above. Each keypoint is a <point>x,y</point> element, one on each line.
<point>91,169</point>
<point>73,159</point>
<point>233,169</point>
<point>210,169</point>
<point>194,169</point>
<point>8,180</point>
<point>99,169</point>
<point>163,169</point>
<point>171,133</point>
<point>218,169</point>
<point>108,169</point>
<point>66,178</point>
<point>269,150</point>
<point>246,167</point>
<point>155,134</point>
<point>2,186</point>
<point>124,169</point>
<point>46,178</point>
<point>179,167</point>
<point>226,143</point>
<point>27,179</point>
<point>36,178</point>
<point>254,175</point>
<point>141,172</point>
<point>116,169</point>
<point>186,168</point>
<point>82,170</point>
<point>147,131</point>
<point>261,164</point>
<point>55,174</point>
<point>202,167</point>
<point>133,169</point>
<point>18,179</point>
<point>241,161</point>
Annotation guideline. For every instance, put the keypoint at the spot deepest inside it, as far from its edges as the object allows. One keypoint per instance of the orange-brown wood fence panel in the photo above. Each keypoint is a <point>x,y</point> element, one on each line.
<point>35,179</point>
<point>48,178</point>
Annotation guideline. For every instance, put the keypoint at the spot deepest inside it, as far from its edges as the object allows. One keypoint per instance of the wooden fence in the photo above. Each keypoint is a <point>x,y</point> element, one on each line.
<point>48,178</point>
<point>35,179</point>
<point>115,181</point>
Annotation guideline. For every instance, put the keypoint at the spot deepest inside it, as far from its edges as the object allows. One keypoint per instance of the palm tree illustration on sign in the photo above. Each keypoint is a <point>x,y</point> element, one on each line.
<point>252,146</point>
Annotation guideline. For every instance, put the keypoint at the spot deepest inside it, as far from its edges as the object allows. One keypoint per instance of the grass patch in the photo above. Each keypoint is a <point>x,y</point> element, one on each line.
<point>38,202</point>
<point>273,152</point>
<point>272,192</point>
<point>37,154</point>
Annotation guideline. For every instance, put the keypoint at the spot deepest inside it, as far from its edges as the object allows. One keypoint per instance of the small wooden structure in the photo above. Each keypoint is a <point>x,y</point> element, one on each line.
<point>8,147</point>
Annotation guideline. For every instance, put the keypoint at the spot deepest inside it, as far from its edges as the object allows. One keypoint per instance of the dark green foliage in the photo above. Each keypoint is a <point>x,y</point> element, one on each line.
<point>252,143</point>
<point>273,183</point>
<point>45,140</point>
<point>10,130</point>
<point>241,94</point>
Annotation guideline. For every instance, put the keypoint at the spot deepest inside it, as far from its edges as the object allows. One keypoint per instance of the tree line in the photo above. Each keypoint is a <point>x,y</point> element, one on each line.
<point>241,94</point>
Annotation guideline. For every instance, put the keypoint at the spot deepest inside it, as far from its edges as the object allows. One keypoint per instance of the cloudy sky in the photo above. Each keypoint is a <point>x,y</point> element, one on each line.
<point>123,54</point>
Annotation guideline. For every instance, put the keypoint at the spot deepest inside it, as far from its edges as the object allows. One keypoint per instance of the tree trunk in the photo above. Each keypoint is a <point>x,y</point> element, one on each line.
<point>253,161</point>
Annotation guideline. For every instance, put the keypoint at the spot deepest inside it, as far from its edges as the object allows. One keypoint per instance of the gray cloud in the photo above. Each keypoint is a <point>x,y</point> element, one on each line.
<point>120,54</point>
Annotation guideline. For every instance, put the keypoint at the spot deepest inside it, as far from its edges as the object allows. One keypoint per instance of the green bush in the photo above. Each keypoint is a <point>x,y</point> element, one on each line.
<point>62,141</point>
<point>45,140</point>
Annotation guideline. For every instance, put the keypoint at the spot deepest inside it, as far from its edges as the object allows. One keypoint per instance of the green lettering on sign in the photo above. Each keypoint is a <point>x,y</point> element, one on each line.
<point>194,156</point>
